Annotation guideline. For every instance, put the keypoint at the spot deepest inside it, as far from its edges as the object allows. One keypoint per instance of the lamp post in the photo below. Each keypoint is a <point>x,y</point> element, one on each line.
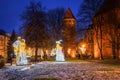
<point>83,49</point>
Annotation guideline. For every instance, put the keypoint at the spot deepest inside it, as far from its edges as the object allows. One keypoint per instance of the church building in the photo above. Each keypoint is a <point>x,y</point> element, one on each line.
<point>106,31</point>
<point>4,37</point>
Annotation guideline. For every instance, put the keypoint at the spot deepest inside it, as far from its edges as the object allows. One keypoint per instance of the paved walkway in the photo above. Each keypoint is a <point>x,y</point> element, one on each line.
<point>61,71</point>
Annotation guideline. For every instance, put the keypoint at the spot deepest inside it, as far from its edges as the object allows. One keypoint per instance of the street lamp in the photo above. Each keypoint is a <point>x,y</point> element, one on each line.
<point>83,49</point>
<point>83,46</point>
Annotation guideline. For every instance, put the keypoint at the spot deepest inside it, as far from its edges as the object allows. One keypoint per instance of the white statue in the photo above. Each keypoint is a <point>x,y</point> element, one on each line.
<point>23,57</point>
<point>59,53</point>
<point>20,51</point>
<point>41,54</point>
<point>17,50</point>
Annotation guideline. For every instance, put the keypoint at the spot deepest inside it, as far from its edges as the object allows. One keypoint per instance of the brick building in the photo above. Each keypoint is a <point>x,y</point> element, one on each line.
<point>106,30</point>
<point>4,37</point>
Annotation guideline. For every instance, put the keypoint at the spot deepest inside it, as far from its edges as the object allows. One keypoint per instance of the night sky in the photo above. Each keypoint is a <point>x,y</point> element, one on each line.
<point>10,11</point>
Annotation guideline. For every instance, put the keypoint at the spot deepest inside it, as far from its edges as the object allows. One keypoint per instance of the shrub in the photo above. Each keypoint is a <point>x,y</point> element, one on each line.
<point>45,79</point>
<point>32,59</point>
<point>2,61</point>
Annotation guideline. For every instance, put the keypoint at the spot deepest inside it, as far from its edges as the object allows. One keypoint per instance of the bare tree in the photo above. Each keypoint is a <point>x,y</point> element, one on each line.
<point>113,32</point>
<point>34,27</point>
<point>98,32</point>
<point>10,50</point>
<point>86,12</point>
<point>55,17</point>
<point>110,9</point>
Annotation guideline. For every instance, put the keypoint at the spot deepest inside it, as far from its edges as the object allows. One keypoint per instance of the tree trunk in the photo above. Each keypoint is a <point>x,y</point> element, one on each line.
<point>98,31</point>
<point>36,50</point>
<point>117,48</point>
<point>113,51</point>
<point>100,46</point>
<point>101,56</point>
<point>114,54</point>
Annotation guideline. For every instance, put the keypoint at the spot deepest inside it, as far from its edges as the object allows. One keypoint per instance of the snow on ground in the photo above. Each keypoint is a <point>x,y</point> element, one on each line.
<point>61,71</point>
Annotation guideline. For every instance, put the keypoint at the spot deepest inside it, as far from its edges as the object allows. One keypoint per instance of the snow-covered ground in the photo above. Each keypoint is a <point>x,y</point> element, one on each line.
<point>61,71</point>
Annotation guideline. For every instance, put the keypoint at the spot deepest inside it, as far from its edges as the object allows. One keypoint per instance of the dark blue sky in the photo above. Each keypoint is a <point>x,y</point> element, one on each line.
<point>10,11</point>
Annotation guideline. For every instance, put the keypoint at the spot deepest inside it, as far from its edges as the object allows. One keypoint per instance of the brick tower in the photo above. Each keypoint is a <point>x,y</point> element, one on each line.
<point>69,34</point>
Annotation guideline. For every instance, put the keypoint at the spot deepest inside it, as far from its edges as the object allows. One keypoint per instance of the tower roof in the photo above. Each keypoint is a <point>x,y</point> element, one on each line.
<point>69,14</point>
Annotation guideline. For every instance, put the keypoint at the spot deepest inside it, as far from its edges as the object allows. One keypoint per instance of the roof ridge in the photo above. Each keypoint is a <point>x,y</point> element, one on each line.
<point>109,4</point>
<point>69,14</point>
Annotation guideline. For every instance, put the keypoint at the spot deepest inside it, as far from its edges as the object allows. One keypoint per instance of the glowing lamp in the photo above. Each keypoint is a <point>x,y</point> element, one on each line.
<point>83,49</point>
<point>73,53</point>
<point>69,51</point>
<point>83,46</point>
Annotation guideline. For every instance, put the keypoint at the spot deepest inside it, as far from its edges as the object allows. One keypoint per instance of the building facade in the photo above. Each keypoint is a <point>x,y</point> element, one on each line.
<point>106,31</point>
<point>88,41</point>
<point>4,37</point>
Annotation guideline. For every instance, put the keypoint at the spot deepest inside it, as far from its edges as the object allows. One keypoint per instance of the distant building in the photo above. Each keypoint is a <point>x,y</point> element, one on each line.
<point>108,19</point>
<point>4,37</point>
<point>69,34</point>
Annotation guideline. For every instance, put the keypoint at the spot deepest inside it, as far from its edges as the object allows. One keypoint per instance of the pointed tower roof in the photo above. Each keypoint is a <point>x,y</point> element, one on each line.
<point>69,14</point>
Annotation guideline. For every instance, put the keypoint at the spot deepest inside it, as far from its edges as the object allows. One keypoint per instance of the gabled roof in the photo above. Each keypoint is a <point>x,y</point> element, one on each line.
<point>69,14</point>
<point>109,5</point>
